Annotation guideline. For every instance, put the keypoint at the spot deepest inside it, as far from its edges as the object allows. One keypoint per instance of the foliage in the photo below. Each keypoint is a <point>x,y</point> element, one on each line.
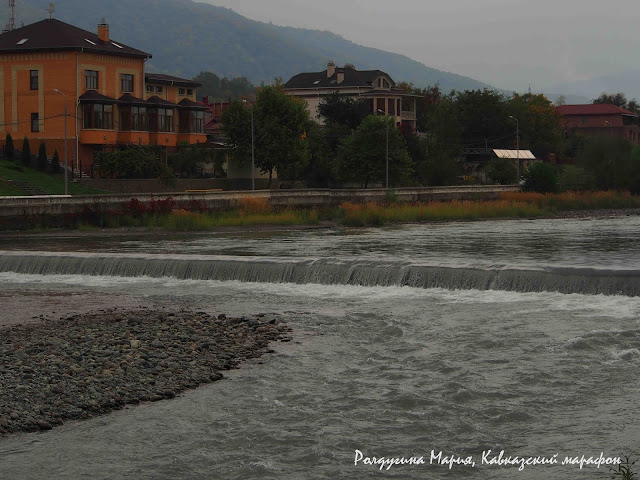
<point>362,155</point>
<point>338,109</point>
<point>624,470</point>
<point>279,133</point>
<point>55,162</point>
<point>619,100</point>
<point>319,171</point>
<point>609,159</point>
<point>502,171</point>
<point>167,177</point>
<point>575,178</point>
<point>188,160</point>
<point>541,177</point>
<point>26,152</point>
<point>8,147</point>
<point>224,88</point>
<point>132,162</point>
<point>42,157</point>
<point>540,123</point>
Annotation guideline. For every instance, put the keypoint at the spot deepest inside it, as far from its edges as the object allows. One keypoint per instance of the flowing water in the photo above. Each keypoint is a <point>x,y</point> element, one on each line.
<point>522,336</point>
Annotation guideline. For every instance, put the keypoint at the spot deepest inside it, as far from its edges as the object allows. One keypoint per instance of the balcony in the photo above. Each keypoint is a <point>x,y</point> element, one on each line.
<point>133,138</point>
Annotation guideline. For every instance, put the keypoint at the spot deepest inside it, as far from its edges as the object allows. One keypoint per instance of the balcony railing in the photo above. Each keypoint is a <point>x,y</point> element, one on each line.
<point>408,115</point>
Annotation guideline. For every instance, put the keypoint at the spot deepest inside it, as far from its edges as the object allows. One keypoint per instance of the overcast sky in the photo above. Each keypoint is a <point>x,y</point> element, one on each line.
<point>506,43</point>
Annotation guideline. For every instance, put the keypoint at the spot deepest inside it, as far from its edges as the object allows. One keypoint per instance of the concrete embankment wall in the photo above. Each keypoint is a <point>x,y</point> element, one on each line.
<point>17,209</point>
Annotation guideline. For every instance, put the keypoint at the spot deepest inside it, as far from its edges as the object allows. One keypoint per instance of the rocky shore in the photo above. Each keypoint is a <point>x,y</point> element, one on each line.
<point>89,364</point>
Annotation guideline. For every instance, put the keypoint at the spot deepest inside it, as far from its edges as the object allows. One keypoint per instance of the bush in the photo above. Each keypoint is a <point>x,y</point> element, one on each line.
<point>55,162</point>
<point>502,171</point>
<point>133,162</point>
<point>541,178</point>
<point>8,147</point>
<point>26,152</point>
<point>42,157</point>
<point>609,160</point>
<point>574,178</point>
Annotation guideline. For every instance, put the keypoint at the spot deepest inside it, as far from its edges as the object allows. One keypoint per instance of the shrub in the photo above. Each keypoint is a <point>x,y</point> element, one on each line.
<point>502,171</point>
<point>8,147</point>
<point>541,178</point>
<point>42,157</point>
<point>55,162</point>
<point>251,205</point>
<point>26,152</point>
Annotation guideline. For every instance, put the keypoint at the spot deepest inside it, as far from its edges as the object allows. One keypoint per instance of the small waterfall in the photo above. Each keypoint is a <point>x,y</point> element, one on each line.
<point>326,271</point>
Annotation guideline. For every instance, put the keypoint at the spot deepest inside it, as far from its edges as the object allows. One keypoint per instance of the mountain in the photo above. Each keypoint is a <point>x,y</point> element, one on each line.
<point>627,82</point>
<point>187,37</point>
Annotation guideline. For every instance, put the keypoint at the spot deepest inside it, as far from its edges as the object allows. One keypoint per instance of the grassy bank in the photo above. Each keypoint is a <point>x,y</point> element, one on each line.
<point>11,172</point>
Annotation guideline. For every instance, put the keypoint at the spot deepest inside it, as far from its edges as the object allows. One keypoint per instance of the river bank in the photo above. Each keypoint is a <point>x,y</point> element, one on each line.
<point>85,365</point>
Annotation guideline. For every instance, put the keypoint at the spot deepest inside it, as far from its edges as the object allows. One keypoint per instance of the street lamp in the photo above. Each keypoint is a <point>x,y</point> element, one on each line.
<point>517,144</point>
<point>66,164</point>
<point>253,184</point>
<point>607,122</point>
<point>387,120</point>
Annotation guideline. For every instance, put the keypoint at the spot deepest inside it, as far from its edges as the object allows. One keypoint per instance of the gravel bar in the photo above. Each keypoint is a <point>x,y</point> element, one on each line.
<point>89,364</point>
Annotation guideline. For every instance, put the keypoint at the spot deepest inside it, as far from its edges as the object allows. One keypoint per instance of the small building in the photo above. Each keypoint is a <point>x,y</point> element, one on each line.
<point>600,119</point>
<point>374,85</point>
<point>50,64</point>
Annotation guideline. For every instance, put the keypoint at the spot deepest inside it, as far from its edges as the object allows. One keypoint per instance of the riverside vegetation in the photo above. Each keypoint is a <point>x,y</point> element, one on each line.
<point>84,365</point>
<point>162,214</point>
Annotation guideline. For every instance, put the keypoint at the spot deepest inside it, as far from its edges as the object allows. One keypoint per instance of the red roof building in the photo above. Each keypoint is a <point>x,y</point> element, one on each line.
<point>600,119</point>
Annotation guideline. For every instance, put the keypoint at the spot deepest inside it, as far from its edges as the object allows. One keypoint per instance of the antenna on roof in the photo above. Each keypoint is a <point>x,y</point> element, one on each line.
<point>52,9</point>
<point>12,15</point>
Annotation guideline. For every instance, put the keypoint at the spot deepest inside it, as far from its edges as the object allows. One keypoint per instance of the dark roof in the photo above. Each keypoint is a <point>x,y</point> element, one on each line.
<point>169,80</point>
<point>186,103</point>
<point>159,102</point>
<point>91,96</point>
<point>128,99</point>
<point>593,109</point>
<point>52,34</point>
<point>352,78</point>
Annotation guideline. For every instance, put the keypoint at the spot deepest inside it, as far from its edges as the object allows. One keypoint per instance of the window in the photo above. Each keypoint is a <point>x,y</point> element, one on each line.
<point>192,121</point>
<point>33,83</point>
<point>91,80</point>
<point>385,84</point>
<point>392,106</point>
<point>189,91</point>
<point>161,120</point>
<point>35,122</point>
<point>96,115</point>
<point>133,118</point>
<point>126,81</point>
<point>181,91</point>
<point>158,89</point>
<point>149,88</point>
<point>380,105</point>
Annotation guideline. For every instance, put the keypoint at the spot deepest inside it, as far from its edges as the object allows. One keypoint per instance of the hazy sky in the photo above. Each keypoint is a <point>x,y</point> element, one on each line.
<point>507,43</point>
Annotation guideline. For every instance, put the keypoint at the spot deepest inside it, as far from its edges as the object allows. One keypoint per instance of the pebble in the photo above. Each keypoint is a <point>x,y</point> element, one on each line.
<point>85,365</point>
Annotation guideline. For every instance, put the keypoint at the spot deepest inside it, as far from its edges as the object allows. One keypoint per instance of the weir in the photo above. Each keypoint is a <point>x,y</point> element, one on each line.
<point>327,271</point>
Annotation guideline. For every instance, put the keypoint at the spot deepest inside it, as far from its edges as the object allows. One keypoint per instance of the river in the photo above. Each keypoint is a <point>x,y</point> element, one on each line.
<point>460,338</point>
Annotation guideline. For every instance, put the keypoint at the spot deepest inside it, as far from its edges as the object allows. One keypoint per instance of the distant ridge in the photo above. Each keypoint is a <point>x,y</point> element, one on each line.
<point>187,37</point>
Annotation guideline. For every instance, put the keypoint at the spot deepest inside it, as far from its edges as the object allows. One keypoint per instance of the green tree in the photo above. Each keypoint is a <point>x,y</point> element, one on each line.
<point>319,171</point>
<point>609,160</point>
<point>541,177</point>
<point>539,121</point>
<point>42,156</point>
<point>224,88</point>
<point>279,133</point>
<point>338,109</point>
<point>8,147</point>
<point>55,162</point>
<point>502,171</point>
<point>132,162</point>
<point>617,99</point>
<point>362,155</point>
<point>188,160</point>
<point>26,152</point>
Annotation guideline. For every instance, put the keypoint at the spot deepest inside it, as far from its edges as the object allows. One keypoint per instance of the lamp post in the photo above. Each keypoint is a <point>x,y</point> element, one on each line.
<point>253,184</point>
<point>517,145</point>
<point>387,121</point>
<point>66,165</point>
<point>607,122</point>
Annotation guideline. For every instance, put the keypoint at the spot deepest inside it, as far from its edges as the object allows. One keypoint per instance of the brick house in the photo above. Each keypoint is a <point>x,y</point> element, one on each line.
<point>105,89</point>
<point>600,119</point>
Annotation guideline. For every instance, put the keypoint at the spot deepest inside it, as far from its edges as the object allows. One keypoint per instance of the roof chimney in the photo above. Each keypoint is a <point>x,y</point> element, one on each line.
<point>350,65</point>
<point>331,69</point>
<point>103,31</point>
<point>340,75</point>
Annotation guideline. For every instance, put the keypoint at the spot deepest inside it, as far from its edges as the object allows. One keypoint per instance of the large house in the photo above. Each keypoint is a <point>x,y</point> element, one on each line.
<point>376,86</point>
<point>600,119</point>
<point>110,101</point>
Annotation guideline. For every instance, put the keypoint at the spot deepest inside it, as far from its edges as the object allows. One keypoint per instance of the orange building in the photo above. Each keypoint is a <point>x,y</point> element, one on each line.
<point>50,64</point>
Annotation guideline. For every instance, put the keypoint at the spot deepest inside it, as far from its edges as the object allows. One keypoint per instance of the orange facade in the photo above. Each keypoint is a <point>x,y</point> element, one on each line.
<point>94,84</point>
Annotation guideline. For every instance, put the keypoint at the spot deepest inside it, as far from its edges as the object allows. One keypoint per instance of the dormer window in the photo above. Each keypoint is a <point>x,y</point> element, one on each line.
<point>89,41</point>
<point>23,41</point>
<point>385,84</point>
